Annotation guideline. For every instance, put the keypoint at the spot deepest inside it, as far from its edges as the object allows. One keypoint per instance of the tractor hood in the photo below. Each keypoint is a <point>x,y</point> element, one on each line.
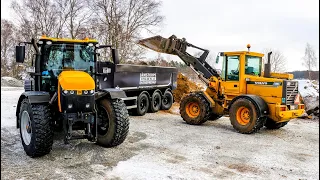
<point>76,80</point>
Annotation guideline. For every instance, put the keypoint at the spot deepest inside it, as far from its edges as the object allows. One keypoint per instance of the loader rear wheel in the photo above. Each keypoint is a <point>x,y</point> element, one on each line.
<point>142,104</point>
<point>244,117</point>
<point>194,109</point>
<point>36,129</point>
<point>167,100</point>
<point>113,122</point>
<point>155,103</point>
<point>270,124</point>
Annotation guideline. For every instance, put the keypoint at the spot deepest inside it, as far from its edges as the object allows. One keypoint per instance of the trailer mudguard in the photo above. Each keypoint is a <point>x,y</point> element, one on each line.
<point>34,97</point>
<point>260,104</point>
<point>112,93</point>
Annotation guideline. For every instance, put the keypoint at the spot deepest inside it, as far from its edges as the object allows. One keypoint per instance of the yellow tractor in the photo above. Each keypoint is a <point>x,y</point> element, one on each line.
<point>64,93</point>
<point>252,98</point>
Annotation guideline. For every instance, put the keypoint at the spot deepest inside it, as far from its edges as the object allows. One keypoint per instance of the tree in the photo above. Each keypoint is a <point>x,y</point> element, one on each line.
<point>277,60</point>
<point>310,61</point>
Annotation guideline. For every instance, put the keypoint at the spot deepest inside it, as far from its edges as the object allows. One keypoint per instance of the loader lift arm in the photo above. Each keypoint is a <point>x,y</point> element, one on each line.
<point>175,46</point>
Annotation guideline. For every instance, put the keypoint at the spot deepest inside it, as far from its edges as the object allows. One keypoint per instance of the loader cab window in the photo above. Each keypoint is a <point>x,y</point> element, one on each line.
<point>230,68</point>
<point>253,65</point>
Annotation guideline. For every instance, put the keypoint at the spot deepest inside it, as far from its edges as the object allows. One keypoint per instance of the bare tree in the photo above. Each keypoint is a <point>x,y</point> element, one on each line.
<point>277,60</point>
<point>310,61</point>
<point>121,22</point>
<point>7,45</point>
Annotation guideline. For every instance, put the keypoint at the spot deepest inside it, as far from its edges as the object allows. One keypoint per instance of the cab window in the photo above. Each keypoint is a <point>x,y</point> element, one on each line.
<point>253,65</point>
<point>230,68</point>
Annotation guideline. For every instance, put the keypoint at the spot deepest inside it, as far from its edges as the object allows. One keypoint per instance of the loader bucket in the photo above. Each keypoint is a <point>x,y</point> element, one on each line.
<point>162,45</point>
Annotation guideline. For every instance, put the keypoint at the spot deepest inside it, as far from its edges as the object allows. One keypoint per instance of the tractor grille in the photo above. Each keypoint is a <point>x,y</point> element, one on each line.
<point>290,91</point>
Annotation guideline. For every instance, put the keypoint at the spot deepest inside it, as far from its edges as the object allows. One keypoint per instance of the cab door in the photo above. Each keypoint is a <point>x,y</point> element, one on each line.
<point>231,74</point>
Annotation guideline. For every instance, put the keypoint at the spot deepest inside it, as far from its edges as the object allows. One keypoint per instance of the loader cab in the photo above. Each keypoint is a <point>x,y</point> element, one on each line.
<point>237,66</point>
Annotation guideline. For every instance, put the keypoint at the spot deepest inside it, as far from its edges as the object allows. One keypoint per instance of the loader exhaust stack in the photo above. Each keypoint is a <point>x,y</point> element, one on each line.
<point>267,67</point>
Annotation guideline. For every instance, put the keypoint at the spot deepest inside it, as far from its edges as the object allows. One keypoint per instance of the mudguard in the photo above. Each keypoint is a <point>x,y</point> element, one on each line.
<point>260,104</point>
<point>112,93</point>
<point>34,97</point>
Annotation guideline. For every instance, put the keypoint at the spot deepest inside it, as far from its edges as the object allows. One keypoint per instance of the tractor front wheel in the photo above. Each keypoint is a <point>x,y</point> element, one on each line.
<point>194,109</point>
<point>113,122</point>
<point>36,129</point>
<point>244,117</point>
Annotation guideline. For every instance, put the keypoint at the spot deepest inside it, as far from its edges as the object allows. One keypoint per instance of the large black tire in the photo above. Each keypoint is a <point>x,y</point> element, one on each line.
<point>142,104</point>
<point>155,103</point>
<point>38,117</point>
<point>167,100</point>
<point>244,117</point>
<point>270,124</point>
<point>214,117</point>
<point>194,109</point>
<point>113,122</point>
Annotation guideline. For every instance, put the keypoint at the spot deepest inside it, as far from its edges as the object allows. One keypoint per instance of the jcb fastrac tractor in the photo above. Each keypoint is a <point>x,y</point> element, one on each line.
<point>252,98</point>
<point>63,94</point>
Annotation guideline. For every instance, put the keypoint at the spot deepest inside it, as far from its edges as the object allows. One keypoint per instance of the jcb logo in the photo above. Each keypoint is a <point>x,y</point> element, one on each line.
<point>262,83</point>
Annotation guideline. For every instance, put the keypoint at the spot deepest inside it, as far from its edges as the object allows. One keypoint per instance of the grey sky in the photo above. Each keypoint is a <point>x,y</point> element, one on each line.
<point>228,25</point>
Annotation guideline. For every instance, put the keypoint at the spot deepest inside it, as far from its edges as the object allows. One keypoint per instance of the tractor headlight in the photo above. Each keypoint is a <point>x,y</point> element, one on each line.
<point>65,91</point>
<point>71,92</point>
<point>91,91</point>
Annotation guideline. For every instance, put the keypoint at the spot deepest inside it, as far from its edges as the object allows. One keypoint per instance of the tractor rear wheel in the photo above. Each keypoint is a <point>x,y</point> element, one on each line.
<point>194,109</point>
<point>155,103</point>
<point>36,129</point>
<point>270,124</point>
<point>113,122</point>
<point>244,116</point>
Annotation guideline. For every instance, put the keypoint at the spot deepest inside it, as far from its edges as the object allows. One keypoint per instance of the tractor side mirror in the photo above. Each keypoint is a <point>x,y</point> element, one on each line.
<point>20,54</point>
<point>115,56</point>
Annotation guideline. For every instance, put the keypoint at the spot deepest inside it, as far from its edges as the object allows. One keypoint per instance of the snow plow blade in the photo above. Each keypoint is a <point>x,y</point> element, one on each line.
<point>164,45</point>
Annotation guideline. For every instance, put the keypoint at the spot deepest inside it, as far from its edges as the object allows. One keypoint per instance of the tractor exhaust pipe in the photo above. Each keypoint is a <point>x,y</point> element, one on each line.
<point>267,67</point>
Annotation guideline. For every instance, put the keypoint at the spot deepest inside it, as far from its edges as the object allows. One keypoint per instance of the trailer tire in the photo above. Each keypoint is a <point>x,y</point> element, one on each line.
<point>167,100</point>
<point>244,116</point>
<point>36,130</point>
<point>115,131</point>
<point>155,103</point>
<point>143,104</point>
<point>270,124</point>
<point>194,109</point>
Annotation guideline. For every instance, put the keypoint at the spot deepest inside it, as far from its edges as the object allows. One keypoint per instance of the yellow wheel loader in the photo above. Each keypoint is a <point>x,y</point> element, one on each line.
<point>63,93</point>
<point>252,98</point>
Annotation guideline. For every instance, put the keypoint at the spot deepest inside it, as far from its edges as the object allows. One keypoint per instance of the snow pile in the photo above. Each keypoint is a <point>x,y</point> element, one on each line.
<point>11,82</point>
<point>309,91</point>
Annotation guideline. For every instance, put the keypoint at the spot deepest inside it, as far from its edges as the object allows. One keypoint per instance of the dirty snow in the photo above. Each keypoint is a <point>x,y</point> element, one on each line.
<point>10,82</point>
<point>309,91</point>
<point>162,146</point>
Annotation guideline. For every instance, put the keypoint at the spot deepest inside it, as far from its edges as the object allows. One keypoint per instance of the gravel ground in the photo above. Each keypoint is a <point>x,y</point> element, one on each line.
<point>162,146</point>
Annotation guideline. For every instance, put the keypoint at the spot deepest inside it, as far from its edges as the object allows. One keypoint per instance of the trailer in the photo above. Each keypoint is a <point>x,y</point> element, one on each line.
<point>147,88</point>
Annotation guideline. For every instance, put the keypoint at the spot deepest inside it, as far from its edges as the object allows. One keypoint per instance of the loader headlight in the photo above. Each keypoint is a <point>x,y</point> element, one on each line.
<point>91,91</point>
<point>85,92</point>
<point>71,92</point>
<point>65,91</point>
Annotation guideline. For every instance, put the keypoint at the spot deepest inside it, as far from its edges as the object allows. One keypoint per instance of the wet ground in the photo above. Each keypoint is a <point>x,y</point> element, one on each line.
<point>162,146</point>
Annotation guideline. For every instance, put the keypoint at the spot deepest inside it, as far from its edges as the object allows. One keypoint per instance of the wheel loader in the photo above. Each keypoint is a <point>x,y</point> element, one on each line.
<point>252,98</point>
<point>63,94</point>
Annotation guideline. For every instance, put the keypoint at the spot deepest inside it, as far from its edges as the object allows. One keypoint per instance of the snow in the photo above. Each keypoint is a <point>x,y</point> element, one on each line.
<point>309,91</point>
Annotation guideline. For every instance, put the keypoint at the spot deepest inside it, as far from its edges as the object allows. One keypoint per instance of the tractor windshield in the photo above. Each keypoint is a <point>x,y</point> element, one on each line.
<point>58,57</point>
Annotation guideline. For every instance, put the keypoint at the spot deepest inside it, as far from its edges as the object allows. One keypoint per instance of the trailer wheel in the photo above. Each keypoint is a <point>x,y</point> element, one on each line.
<point>155,103</point>
<point>270,124</point>
<point>113,122</point>
<point>142,104</point>
<point>35,128</point>
<point>244,117</point>
<point>167,100</point>
<point>194,109</point>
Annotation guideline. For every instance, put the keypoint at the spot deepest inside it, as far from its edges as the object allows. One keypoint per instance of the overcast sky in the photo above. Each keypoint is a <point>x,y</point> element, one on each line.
<point>229,25</point>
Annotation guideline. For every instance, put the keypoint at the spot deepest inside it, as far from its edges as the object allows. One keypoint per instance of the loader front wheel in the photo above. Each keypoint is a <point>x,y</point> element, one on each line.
<point>36,129</point>
<point>270,124</point>
<point>194,109</point>
<point>113,122</point>
<point>244,117</point>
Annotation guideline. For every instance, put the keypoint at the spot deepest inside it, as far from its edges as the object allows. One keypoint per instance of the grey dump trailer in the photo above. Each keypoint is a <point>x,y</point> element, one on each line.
<point>148,88</point>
